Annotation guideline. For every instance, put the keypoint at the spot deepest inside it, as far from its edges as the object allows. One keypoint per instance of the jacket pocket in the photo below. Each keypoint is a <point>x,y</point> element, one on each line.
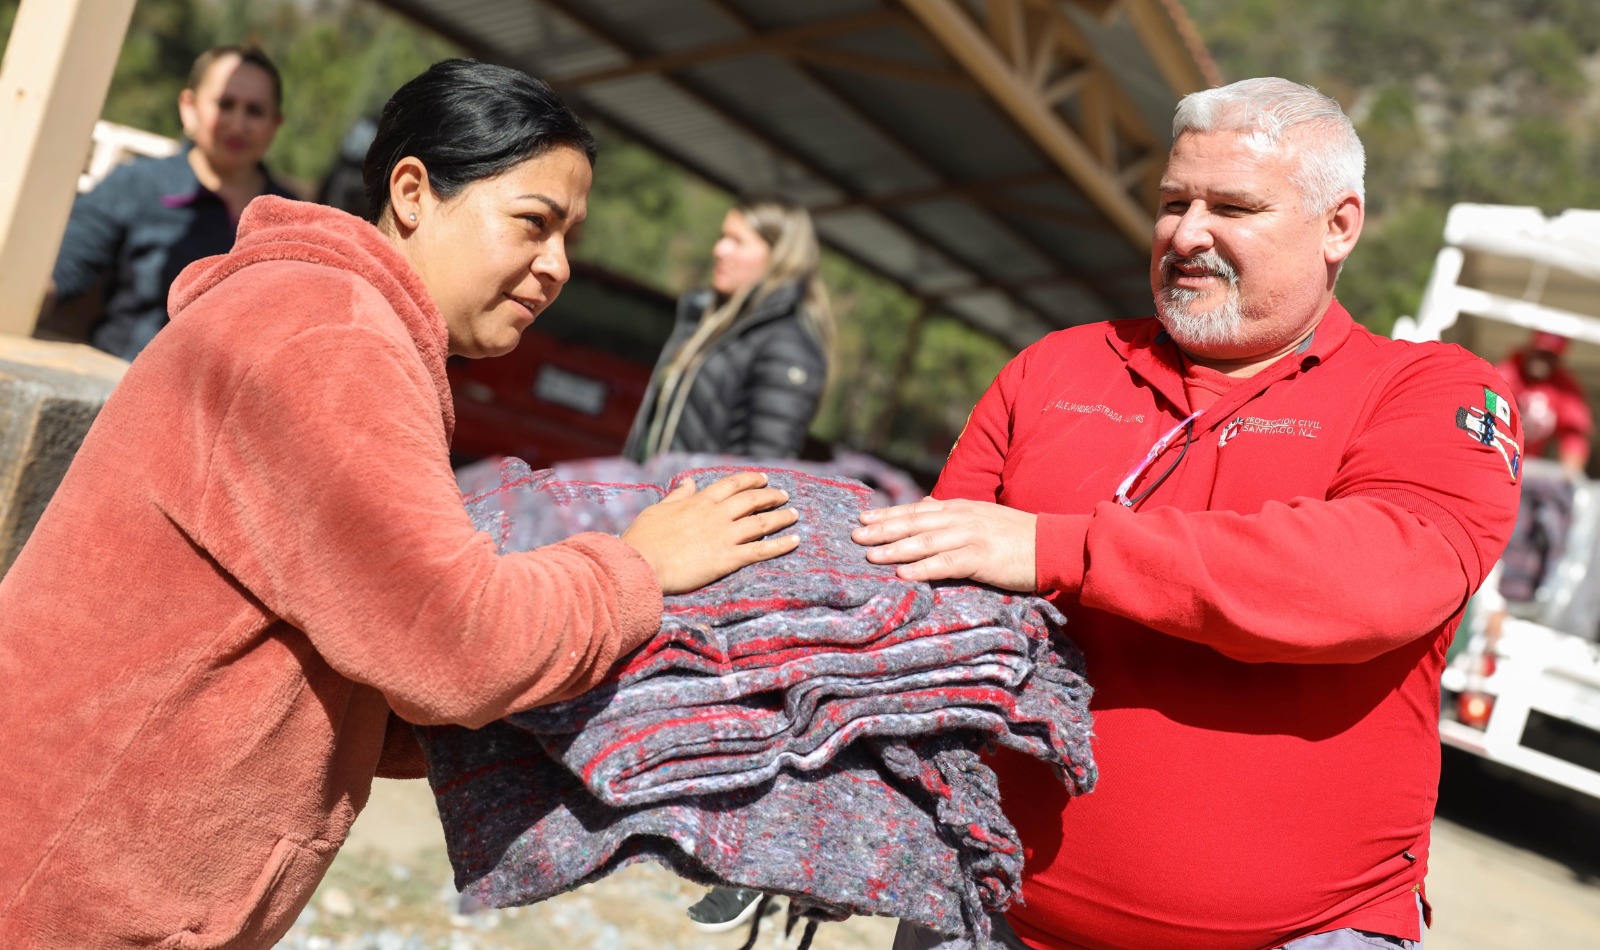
<point>265,913</point>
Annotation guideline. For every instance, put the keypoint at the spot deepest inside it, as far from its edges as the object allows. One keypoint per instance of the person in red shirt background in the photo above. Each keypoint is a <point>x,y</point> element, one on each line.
<point>1263,523</point>
<point>1555,416</point>
<point>1554,410</point>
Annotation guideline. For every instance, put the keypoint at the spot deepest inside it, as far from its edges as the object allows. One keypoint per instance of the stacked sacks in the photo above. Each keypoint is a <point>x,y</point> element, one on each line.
<point>804,727</point>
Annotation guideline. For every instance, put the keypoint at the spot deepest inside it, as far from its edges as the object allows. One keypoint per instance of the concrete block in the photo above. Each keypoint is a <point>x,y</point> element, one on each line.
<point>49,395</point>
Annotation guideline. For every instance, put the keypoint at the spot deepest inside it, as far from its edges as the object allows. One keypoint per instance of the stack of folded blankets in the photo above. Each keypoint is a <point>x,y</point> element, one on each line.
<point>889,485</point>
<point>808,726</point>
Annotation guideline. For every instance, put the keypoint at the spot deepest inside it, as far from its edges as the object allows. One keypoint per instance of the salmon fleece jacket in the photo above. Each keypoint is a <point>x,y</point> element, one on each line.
<point>259,557</point>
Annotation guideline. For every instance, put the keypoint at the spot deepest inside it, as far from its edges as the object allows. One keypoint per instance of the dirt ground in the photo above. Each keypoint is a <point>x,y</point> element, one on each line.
<point>390,889</point>
<point>1512,869</point>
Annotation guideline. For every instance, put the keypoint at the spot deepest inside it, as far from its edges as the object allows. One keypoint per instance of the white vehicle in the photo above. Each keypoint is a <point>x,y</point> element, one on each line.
<point>114,144</point>
<point>1522,686</point>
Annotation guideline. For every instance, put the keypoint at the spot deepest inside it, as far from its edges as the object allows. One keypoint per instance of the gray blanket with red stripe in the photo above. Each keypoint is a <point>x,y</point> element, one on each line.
<point>805,726</point>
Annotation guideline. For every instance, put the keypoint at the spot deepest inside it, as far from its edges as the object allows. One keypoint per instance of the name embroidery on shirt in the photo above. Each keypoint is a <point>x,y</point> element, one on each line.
<point>1063,405</point>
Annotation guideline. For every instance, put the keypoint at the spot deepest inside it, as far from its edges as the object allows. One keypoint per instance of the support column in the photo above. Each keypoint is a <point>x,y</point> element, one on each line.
<point>53,83</point>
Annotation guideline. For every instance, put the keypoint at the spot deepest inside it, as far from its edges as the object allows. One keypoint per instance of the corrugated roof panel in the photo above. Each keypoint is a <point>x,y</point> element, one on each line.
<point>679,124</point>
<point>1131,286</point>
<point>795,110</point>
<point>994,313</point>
<point>868,236</point>
<point>776,16</point>
<point>1052,196</point>
<point>891,43</point>
<point>826,134</point>
<point>548,41</point>
<point>1085,248</point>
<point>653,27</point>
<point>1071,304</point>
<point>975,236</point>
<point>959,132</point>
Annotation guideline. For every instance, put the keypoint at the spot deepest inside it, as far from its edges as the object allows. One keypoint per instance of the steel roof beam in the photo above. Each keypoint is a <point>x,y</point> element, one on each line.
<point>1018,339</point>
<point>998,57</point>
<point>909,154</point>
<point>1174,44</point>
<point>786,152</point>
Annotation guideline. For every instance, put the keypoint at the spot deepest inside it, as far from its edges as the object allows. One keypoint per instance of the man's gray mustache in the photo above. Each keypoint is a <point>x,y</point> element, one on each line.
<point>1209,260</point>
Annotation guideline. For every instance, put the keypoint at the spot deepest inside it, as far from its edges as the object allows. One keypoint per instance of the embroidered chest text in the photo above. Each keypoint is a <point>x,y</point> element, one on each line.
<point>1066,405</point>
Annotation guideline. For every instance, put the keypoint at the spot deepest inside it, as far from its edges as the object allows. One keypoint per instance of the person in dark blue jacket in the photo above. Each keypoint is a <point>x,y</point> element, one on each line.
<point>745,368</point>
<point>150,219</point>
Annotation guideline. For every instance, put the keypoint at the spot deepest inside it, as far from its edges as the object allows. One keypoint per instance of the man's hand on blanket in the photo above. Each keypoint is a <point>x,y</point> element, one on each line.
<point>695,536</point>
<point>957,539</point>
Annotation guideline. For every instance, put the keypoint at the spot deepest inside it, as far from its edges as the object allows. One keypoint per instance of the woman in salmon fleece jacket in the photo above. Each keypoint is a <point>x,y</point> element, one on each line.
<point>259,556</point>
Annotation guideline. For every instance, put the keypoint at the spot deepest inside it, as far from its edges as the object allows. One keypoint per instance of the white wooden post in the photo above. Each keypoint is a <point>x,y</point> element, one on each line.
<point>53,83</point>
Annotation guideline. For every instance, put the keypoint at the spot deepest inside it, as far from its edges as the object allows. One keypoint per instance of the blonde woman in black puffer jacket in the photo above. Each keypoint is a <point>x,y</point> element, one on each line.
<point>743,374</point>
<point>745,368</point>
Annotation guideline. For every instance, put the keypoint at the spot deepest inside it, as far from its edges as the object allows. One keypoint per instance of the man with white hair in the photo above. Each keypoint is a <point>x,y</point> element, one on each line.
<point>1263,523</point>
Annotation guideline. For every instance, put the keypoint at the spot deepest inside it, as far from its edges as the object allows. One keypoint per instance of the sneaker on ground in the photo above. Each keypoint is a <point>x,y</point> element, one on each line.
<point>724,908</point>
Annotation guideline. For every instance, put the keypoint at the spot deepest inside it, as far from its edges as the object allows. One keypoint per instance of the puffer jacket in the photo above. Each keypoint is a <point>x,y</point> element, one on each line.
<point>755,392</point>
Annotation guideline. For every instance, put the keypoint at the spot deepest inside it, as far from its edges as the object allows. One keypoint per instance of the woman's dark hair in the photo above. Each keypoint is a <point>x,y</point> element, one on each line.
<point>467,121</point>
<point>247,54</point>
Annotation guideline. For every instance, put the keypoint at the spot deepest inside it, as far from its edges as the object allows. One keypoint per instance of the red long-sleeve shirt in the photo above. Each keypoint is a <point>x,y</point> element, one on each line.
<point>1265,631</point>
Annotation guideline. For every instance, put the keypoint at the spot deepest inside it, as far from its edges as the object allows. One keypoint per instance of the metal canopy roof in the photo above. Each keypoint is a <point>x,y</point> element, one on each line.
<point>996,158</point>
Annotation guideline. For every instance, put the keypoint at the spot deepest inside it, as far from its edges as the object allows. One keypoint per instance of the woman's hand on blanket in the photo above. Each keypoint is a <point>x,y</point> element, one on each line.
<point>957,539</point>
<point>694,536</point>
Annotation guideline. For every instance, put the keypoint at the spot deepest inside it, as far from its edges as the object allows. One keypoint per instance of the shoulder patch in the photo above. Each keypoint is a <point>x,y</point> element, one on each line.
<point>1490,426</point>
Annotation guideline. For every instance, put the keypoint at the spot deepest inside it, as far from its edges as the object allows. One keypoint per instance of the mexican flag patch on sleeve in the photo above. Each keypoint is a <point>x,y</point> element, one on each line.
<point>1491,426</point>
<point>1498,406</point>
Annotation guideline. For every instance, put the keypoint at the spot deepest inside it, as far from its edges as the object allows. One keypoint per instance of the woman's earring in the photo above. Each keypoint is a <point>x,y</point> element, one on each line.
<point>413,216</point>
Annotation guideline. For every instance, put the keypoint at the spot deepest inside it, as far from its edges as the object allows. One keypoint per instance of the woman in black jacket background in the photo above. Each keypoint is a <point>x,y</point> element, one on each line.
<point>742,374</point>
<point>746,365</point>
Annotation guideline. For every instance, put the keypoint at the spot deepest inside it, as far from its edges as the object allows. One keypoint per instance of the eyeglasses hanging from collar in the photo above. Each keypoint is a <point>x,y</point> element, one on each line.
<point>1187,428</point>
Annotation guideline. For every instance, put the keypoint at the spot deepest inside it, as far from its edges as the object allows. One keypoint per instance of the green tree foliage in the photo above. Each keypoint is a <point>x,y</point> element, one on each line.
<point>649,220</point>
<point>1457,100</point>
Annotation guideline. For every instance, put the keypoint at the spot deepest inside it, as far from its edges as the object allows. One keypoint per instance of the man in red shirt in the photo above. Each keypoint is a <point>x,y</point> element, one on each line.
<point>1263,523</point>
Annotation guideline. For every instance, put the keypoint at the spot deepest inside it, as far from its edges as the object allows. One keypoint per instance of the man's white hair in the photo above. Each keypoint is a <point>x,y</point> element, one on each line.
<point>1329,158</point>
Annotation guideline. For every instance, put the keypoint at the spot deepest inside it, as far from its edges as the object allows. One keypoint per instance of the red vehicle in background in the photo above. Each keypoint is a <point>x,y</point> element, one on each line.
<point>572,386</point>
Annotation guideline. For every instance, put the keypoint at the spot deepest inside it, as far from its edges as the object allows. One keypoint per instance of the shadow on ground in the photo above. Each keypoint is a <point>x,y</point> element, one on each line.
<point>1522,811</point>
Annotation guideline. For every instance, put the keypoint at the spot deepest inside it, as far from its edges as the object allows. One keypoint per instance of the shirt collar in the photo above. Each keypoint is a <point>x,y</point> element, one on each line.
<point>1152,356</point>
